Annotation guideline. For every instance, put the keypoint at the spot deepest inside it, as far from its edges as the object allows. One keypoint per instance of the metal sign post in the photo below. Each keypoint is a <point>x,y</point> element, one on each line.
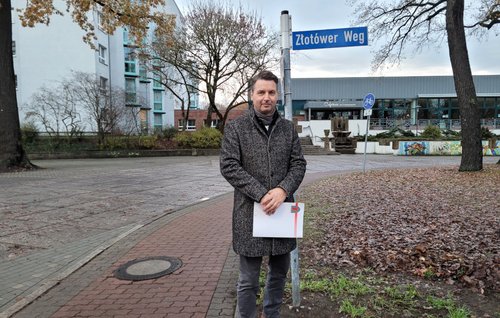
<point>368,103</point>
<point>286,29</point>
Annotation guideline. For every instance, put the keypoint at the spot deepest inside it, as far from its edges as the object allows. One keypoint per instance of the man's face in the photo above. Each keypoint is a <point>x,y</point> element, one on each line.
<point>264,96</point>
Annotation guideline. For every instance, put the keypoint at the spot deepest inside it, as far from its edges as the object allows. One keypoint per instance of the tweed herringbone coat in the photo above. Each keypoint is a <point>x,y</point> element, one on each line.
<point>254,161</point>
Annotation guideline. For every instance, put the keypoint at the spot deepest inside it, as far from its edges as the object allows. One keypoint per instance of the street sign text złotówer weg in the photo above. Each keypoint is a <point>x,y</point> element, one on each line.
<point>322,39</point>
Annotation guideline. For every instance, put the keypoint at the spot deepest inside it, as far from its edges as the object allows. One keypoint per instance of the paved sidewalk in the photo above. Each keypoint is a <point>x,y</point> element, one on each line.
<point>75,278</point>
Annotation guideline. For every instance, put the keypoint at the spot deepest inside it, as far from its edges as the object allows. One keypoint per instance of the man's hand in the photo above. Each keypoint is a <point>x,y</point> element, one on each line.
<point>272,200</point>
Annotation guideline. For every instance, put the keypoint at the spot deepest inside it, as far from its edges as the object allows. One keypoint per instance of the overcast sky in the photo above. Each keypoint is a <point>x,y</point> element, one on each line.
<point>356,61</point>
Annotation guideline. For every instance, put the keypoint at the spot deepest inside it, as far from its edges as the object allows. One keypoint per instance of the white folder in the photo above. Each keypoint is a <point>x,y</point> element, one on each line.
<point>287,221</point>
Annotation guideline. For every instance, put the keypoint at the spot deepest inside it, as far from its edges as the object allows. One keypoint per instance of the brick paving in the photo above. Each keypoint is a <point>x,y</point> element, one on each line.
<point>200,238</point>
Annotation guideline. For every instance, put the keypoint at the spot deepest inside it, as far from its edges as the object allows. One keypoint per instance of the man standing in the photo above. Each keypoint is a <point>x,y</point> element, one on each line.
<point>262,159</point>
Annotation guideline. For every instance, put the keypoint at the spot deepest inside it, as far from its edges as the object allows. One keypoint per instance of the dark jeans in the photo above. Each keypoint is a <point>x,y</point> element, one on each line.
<point>248,285</point>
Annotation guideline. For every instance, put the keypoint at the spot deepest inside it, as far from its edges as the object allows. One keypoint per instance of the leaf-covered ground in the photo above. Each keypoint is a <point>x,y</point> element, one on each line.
<point>401,243</point>
<point>433,223</point>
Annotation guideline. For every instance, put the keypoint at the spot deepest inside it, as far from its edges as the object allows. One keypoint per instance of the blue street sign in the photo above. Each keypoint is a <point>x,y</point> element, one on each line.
<point>322,39</point>
<point>369,101</point>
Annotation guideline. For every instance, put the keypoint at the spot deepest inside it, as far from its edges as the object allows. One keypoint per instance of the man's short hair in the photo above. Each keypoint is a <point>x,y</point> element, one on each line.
<point>263,75</point>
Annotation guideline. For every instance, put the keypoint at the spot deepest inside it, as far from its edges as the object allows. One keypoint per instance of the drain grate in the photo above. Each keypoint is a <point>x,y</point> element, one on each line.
<point>148,268</point>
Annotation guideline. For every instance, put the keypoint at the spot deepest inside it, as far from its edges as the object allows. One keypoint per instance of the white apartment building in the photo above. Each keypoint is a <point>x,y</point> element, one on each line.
<point>45,55</point>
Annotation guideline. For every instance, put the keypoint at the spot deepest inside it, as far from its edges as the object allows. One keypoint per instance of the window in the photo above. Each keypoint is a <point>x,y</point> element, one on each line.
<point>125,36</point>
<point>102,54</point>
<point>143,73</point>
<point>376,110</point>
<point>497,106</point>
<point>143,117</point>
<point>193,100</point>
<point>158,121</point>
<point>128,39</point>
<point>103,84</point>
<point>433,109</point>
<point>157,99</point>
<point>100,19</point>
<point>157,80</point>
<point>213,123</point>
<point>489,102</point>
<point>130,63</point>
<point>13,47</point>
<point>130,91</point>
<point>401,109</point>
<point>191,124</point>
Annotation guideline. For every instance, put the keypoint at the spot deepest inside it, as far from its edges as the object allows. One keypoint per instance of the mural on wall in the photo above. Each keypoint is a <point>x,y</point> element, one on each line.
<point>488,151</point>
<point>444,148</point>
<point>414,148</point>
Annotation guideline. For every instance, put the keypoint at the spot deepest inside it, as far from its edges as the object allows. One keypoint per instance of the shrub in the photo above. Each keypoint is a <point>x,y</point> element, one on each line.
<point>147,142</point>
<point>370,138</point>
<point>29,132</point>
<point>395,133</point>
<point>408,133</point>
<point>431,132</point>
<point>451,133</point>
<point>207,138</point>
<point>169,132</point>
<point>183,139</point>
<point>203,138</point>
<point>486,133</point>
<point>114,143</point>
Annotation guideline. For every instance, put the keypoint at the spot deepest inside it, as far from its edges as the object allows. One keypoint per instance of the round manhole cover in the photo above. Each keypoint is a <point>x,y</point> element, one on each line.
<point>148,268</point>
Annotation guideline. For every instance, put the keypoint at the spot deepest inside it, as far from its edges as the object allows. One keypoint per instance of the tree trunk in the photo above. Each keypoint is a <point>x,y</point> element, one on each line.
<point>183,115</point>
<point>12,154</point>
<point>208,120</point>
<point>187,116</point>
<point>472,156</point>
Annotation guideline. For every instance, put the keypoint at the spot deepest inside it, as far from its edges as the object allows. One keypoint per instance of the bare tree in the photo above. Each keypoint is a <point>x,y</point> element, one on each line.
<point>45,109</point>
<point>59,109</point>
<point>104,106</point>
<point>418,23</point>
<point>56,110</point>
<point>130,123</point>
<point>487,16</point>
<point>220,48</point>
<point>169,76</point>
<point>71,120</point>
